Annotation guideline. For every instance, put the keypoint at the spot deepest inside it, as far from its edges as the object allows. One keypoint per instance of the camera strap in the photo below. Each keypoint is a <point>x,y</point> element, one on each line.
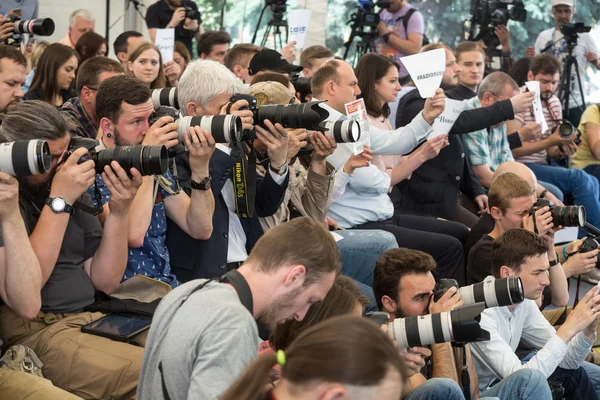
<point>235,279</point>
<point>244,180</point>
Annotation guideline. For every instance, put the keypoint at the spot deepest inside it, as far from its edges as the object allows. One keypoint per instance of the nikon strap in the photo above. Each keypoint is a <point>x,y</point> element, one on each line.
<point>244,180</point>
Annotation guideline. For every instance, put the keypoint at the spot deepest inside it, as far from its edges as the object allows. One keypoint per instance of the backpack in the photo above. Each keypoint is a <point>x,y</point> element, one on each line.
<point>405,18</point>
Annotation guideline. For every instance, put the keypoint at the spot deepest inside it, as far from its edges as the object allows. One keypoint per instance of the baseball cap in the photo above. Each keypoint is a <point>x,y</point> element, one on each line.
<point>271,60</point>
<point>271,93</point>
<point>570,3</point>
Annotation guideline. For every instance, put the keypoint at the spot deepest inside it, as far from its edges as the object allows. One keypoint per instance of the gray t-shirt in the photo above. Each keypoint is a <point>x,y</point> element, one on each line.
<point>69,288</point>
<point>203,347</point>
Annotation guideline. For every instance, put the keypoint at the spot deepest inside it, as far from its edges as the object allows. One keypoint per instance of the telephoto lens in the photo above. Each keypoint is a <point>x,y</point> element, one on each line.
<point>148,160</point>
<point>307,115</point>
<point>342,131</point>
<point>25,157</point>
<point>164,97</point>
<point>562,215</point>
<point>41,26</point>
<point>567,129</point>
<point>460,325</point>
<point>223,128</point>
<point>494,292</point>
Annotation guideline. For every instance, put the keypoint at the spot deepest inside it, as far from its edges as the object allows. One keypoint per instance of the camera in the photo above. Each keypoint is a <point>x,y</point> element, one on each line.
<point>567,129</point>
<point>191,13</point>
<point>309,116</point>
<point>40,26</point>
<point>590,244</point>
<point>492,292</point>
<point>487,14</point>
<point>224,128</point>
<point>302,86</point>
<point>164,97</point>
<point>571,31</point>
<point>460,325</point>
<point>562,215</point>
<point>148,160</point>
<point>25,157</point>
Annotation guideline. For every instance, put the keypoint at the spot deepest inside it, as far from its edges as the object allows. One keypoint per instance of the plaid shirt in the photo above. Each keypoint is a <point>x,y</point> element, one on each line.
<point>152,259</point>
<point>487,146</point>
<point>84,127</point>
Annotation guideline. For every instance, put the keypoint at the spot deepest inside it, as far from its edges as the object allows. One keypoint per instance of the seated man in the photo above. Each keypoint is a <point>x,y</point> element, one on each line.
<point>124,44</point>
<point>269,60</point>
<point>123,107</point>
<point>511,199</point>
<point>539,154</point>
<point>312,58</point>
<point>360,198</point>
<point>403,287</point>
<point>238,59</point>
<point>77,258</point>
<point>197,355</point>
<point>214,45</point>
<point>560,353</point>
<point>205,89</point>
<point>82,109</point>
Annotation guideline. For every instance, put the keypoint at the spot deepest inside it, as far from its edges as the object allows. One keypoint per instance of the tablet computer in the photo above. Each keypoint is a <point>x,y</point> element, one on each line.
<point>118,327</point>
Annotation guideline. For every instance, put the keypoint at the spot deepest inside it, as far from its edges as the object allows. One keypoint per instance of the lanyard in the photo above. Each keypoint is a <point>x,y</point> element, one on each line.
<point>562,47</point>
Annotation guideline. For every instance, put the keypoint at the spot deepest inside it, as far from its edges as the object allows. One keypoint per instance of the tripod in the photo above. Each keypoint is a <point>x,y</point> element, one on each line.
<point>277,22</point>
<point>366,44</point>
<point>564,92</point>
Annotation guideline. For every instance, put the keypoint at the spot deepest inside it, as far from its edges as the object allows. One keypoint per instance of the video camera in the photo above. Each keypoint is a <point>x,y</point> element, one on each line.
<point>366,15</point>
<point>571,31</point>
<point>40,26</point>
<point>25,157</point>
<point>487,14</point>
<point>562,215</point>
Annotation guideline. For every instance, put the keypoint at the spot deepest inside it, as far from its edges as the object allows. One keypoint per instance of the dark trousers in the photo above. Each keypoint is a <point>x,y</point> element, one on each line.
<point>440,239</point>
<point>575,383</point>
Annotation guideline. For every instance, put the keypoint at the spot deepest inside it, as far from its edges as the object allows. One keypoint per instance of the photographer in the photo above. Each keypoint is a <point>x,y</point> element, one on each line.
<point>205,89</point>
<point>446,186</point>
<point>82,109</point>
<point>123,106</point>
<point>403,287</point>
<point>401,32</point>
<point>12,77</point>
<point>80,22</point>
<point>197,355</point>
<point>540,155</point>
<point>559,355</point>
<point>182,15</point>
<point>552,41</point>
<point>77,258</point>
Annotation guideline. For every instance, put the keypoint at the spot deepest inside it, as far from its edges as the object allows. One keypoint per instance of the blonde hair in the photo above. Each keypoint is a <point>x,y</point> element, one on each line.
<point>160,81</point>
<point>37,51</point>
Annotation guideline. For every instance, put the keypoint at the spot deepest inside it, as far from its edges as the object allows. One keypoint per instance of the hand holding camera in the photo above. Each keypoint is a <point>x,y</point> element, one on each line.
<point>122,188</point>
<point>201,146</point>
<point>298,141</point>
<point>434,106</point>
<point>9,196</point>
<point>162,132</point>
<point>414,359</point>
<point>323,146</point>
<point>543,221</point>
<point>583,261</point>
<point>240,108</point>
<point>177,18</point>
<point>449,301</point>
<point>6,28</point>
<point>275,137</point>
<point>522,102</point>
<point>72,179</point>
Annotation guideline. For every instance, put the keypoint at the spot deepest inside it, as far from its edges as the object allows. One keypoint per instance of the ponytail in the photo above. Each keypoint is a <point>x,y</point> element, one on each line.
<point>252,384</point>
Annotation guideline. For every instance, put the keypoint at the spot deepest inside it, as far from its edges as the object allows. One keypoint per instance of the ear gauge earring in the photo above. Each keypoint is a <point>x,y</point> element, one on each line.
<point>109,135</point>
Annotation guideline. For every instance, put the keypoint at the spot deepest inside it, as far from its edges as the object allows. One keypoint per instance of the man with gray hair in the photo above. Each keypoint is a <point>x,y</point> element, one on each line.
<point>80,22</point>
<point>205,89</point>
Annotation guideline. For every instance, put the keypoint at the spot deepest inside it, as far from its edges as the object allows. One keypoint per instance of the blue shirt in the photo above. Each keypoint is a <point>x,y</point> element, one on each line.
<point>152,259</point>
<point>29,8</point>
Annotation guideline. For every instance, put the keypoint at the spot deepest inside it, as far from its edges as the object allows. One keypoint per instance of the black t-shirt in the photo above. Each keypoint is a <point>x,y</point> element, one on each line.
<point>479,264</point>
<point>159,15</point>
<point>69,288</point>
<point>484,226</point>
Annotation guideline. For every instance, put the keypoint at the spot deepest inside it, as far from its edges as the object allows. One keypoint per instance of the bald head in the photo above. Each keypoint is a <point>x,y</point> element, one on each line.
<point>518,169</point>
<point>335,82</point>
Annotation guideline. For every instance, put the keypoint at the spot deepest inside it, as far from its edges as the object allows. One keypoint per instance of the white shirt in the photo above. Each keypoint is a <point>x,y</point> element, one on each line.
<point>554,38</point>
<point>496,359</point>
<point>236,248</point>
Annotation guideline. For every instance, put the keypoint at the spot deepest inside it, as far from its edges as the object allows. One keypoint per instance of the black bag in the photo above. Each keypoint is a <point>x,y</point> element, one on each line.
<point>106,304</point>
<point>405,18</point>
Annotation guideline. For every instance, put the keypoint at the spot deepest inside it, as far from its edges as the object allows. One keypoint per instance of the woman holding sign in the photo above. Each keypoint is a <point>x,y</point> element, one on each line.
<point>145,63</point>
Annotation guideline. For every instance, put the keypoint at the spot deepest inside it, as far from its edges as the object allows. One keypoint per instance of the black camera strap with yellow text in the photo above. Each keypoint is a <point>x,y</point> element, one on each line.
<point>244,180</point>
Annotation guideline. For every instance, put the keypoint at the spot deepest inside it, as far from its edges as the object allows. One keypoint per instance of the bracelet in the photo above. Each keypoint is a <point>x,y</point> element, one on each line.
<point>555,262</point>
<point>543,194</point>
<point>565,255</point>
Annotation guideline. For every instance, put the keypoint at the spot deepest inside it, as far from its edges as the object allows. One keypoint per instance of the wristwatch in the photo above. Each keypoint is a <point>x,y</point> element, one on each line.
<point>386,37</point>
<point>205,184</point>
<point>59,205</point>
<point>281,170</point>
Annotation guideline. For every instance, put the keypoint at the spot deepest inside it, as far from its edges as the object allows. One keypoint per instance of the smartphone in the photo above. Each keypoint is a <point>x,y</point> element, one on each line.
<point>380,318</point>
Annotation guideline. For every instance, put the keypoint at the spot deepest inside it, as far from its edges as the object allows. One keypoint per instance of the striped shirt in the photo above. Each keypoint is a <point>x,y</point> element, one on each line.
<point>552,113</point>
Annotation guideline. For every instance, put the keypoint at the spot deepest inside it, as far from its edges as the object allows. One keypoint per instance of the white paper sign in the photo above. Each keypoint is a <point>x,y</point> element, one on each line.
<point>444,122</point>
<point>165,41</point>
<point>357,111</point>
<point>538,112</point>
<point>426,70</point>
<point>336,236</point>
<point>566,235</point>
<point>298,26</point>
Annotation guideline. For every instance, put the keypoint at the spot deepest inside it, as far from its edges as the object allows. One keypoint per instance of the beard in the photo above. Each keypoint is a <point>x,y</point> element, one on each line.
<point>546,95</point>
<point>448,85</point>
<point>280,309</point>
<point>37,193</point>
<point>119,140</point>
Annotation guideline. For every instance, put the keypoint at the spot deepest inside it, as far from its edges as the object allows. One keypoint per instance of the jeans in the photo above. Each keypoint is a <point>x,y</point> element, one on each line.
<point>553,189</point>
<point>593,373</point>
<point>437,389</point>
<point>443,240</point>
<point>360,250</point>
<point>522,384</point>
<point>575,382</point>
<point>584,188</point>
<point>593,169</point>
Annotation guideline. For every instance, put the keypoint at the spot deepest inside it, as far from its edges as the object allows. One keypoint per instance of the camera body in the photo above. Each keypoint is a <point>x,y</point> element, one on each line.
<point>191,13</point>
<point>302,86</point>
<point>562,215</point>
<point>571,31</point>
<point>567,129</point>
<point>490,13</point>
<point>590,244</point>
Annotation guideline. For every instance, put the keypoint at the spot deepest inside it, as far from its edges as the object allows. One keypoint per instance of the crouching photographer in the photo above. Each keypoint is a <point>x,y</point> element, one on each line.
<point>77,258</point>
<point>404,287</point>
<point>205,90</point>
<point>123,107</point>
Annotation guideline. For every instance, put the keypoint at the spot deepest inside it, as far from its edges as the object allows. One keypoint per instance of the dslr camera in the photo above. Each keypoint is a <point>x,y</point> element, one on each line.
<point>567,129</point>
<point>25,157</point>
<point>562,215</point>
<point>309,116</point>
<point>487,14</point>
<point>491,292</point>
<point>40,26</point>
<point>590,244</point>
<point>191,13</point>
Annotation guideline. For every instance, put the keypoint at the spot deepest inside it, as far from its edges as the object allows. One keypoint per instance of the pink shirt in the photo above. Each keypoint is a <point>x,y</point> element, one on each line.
<point>67,42</point>
<point>388,162</point>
